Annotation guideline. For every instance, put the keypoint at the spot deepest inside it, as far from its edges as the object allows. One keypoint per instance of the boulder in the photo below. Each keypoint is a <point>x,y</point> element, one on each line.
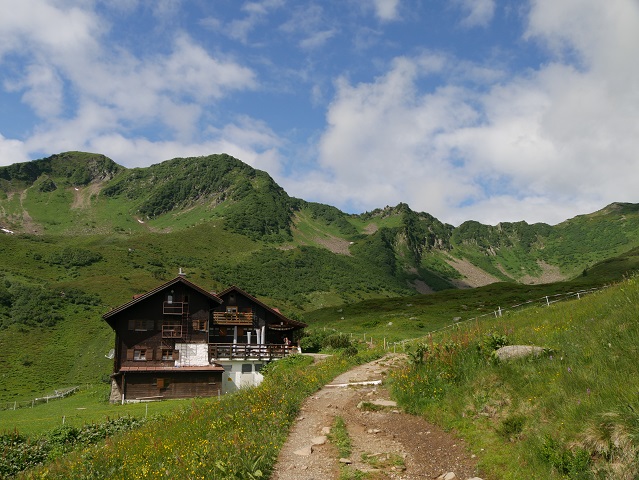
<point>510,352</point>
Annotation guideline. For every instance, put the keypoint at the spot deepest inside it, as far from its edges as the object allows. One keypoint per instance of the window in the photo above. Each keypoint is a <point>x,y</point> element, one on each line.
<point>231,309</point>
<point>258,367</point>
<point>141,325</point>
<point>139,354</point>
<point>199,325</point>
<point>170,354</point>
<point>247,368</point>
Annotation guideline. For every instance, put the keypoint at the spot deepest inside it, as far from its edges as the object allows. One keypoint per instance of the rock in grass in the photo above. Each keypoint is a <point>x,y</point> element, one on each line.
<point>510,352</point>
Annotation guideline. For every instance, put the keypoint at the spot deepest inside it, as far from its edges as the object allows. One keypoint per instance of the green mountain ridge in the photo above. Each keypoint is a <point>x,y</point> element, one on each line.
<point>77,193</point>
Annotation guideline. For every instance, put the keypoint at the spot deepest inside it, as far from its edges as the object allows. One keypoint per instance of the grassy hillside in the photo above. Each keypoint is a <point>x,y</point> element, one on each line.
<point>78,193</point>
<point>406,317</point>
<point>568,413</point>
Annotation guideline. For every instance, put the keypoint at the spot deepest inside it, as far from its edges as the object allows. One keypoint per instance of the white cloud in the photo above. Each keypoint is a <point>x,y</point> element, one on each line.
<point>318,39</point>
<point>477,13</point>
<point>55,29</point>
<point>256,12</point>
<point>310,23</point>
<point>70,55</point>
<point>12,151</point>
<point>386,9</point>
<point>43,89</point>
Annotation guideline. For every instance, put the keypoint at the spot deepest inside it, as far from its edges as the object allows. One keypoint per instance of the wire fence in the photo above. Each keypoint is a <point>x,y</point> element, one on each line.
<point>498,312</point>
<point>57,394</point>
<point>545,301</point>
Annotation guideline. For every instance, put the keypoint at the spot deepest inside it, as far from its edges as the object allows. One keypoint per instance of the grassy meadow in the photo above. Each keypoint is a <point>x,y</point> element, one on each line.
<point>237,436</point>
<point>572,412</point>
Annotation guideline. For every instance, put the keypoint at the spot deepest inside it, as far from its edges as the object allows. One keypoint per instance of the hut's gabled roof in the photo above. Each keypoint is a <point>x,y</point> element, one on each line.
<point>144,296</point>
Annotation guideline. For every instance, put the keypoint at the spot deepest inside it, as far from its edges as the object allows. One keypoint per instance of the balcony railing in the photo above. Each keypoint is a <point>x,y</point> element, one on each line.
<point>221,351</point>
<point>172,331</point>
<point>175,308</point>
<point>233,318</point>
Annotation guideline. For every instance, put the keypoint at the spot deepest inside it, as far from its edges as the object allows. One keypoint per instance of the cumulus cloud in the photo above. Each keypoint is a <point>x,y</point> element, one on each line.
<point>564,134</point>
<point>59,32</point>
<point>106,88</point>
<point>12,151</point>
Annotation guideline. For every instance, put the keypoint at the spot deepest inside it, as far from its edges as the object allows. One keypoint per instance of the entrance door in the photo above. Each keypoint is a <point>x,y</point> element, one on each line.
<point>229,384</point>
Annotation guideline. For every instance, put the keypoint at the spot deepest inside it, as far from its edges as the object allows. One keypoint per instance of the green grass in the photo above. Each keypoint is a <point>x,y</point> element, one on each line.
<point>572,413</point>
<point>88,405</point>
<point>237,436</point>
<point>308,231</point>
<point>340,438</point>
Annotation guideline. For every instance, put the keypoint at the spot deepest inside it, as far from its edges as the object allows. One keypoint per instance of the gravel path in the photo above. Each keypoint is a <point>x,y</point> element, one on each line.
<point>387,444</point>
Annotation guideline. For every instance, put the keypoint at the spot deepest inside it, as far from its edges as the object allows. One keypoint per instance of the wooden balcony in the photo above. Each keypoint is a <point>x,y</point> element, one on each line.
<point>175,308</point>
<point>172,331</point>
<point>237,351</point>
<point>233,318</point>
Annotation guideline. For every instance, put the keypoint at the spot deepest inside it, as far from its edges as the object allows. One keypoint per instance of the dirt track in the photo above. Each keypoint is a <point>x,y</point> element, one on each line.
<point>395,445</point>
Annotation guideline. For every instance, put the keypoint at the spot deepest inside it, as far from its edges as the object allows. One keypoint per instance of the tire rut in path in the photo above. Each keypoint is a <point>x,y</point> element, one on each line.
<point>397,445</point>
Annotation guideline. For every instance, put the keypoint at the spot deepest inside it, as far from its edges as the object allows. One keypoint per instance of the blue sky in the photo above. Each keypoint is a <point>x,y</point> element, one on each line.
<point>466,109</point>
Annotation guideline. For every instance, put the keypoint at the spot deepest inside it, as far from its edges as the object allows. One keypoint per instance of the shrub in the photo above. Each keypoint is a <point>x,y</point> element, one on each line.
<point>313,340</point>
<point>350,351</point>
<point>512,426</point>
<point>74,257</point>
<point>18,453</point>
<point>575,464</point>
<point>337,340</point>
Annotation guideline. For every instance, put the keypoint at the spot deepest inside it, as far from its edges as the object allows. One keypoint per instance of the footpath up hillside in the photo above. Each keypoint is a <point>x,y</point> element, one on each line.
<point>386,443</point>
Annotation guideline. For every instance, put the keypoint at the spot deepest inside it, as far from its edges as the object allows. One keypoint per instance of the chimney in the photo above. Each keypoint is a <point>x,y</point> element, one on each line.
<point>181,273</point>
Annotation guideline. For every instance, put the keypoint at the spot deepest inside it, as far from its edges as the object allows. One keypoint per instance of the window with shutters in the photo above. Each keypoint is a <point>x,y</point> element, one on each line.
<point>139,354</point>
<point>170,354</point>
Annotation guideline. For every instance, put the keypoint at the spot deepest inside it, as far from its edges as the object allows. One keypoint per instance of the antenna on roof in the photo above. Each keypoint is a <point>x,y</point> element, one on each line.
<point>181,273</point>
